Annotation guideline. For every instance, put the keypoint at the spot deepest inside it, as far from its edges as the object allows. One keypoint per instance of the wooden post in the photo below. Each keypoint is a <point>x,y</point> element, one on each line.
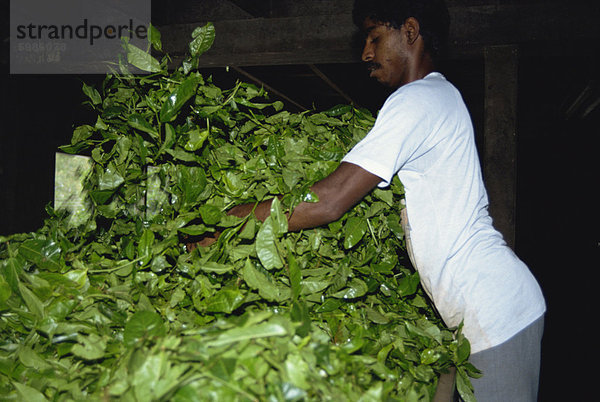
<point>500,122</point>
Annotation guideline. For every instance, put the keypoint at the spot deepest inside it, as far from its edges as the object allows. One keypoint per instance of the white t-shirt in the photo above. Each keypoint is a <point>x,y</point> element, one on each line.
<point>424,134</point>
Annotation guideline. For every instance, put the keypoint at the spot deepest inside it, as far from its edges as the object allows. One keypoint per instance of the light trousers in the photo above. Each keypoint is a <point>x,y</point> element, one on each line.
<point>511,370</point>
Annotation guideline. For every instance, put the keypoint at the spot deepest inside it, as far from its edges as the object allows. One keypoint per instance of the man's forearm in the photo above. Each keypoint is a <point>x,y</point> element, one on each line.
<point>337,193</point>
<point>305,215</point>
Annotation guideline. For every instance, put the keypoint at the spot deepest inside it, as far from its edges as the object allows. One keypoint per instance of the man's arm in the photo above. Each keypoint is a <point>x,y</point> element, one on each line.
<point>337,193</point>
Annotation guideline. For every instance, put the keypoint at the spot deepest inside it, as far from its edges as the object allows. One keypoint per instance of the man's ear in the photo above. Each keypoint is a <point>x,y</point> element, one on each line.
<point>413,29</point>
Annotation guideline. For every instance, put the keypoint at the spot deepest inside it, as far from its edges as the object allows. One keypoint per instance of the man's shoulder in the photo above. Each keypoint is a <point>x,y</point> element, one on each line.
<point>426,91</point>
<point>431,82</point>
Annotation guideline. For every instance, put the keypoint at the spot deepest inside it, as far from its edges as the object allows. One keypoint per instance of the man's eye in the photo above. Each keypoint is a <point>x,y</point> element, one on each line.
<point>375,39</point>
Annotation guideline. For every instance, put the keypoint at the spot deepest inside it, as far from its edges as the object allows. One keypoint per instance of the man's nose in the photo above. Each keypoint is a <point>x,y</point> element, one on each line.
<point>367,54</point>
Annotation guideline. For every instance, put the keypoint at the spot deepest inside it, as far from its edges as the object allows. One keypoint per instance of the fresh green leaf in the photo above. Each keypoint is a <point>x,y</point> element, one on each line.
<point>138,122</point>
<point>92,93</point>
<point>154,38</point>
<point>44,253</point>
<point>266,247</point>
<point>180,95</point>
<point>5,290</point>
<point>27,393</point>
<point>196,140</point>
<point>202,39</point>
<point>295,276</point>
<point>224,301</point>
<point>259,281</point>
<point>145,247</point>
<point>141,59</point>
<point>143,325</point>
<point>354,230</point>
<point>211,215</point>
<point>89,347</point>
<point>263,330</point>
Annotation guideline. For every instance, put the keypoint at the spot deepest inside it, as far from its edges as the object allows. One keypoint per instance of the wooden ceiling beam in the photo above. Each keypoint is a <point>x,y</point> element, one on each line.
<point>322,39</point>
<point>268,41</point>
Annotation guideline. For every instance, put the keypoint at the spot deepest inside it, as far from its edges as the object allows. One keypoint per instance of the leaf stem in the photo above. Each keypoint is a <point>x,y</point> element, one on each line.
<point>372,233</point>
<point>109,270</point>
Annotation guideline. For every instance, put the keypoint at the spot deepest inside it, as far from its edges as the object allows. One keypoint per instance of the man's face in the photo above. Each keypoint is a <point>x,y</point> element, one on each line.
<point>385,53</point>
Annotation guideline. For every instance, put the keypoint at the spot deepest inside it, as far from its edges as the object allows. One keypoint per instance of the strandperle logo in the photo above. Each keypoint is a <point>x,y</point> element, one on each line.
<point>74,36</point>
<point>83,31</point>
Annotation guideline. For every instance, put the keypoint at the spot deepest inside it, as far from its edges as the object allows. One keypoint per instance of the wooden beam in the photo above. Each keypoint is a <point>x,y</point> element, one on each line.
<point>320,39</point>
<point>268,41</point>
<point>500,125</point>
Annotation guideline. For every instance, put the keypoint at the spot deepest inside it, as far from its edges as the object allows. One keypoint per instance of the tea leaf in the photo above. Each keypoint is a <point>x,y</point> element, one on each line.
<point>266,248</point>
<point>143,325</point>
<point>178,98</point>
<point>203,38</point>
<point>141,59</point>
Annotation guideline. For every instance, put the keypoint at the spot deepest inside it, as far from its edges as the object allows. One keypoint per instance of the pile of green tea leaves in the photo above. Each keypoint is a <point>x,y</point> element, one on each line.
<point>114,307</point>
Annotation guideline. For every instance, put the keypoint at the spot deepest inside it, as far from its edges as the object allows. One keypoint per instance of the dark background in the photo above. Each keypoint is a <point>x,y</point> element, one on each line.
<point>557,232</point>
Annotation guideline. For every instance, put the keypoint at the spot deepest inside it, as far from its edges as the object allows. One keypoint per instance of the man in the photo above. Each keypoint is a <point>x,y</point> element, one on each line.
<point>424,134</point>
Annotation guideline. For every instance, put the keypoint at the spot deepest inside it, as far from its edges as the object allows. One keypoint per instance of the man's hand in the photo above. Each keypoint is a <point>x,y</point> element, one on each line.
<point>240,211</point>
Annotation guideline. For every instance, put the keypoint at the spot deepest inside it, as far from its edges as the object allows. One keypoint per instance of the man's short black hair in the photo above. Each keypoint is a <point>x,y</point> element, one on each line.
<point>433,17</point>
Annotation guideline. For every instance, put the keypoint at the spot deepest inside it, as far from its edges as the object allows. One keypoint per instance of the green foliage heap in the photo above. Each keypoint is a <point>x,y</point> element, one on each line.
<point>116,308</point>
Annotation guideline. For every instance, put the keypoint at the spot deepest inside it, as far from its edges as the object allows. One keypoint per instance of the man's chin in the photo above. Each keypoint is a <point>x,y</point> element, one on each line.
<point>380,79</point>
<point>373,74</point>
<point>383,82</point>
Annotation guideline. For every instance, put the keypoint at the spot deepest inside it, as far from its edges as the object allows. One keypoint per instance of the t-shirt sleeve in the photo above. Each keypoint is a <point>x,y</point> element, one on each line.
<point>396,137</point>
